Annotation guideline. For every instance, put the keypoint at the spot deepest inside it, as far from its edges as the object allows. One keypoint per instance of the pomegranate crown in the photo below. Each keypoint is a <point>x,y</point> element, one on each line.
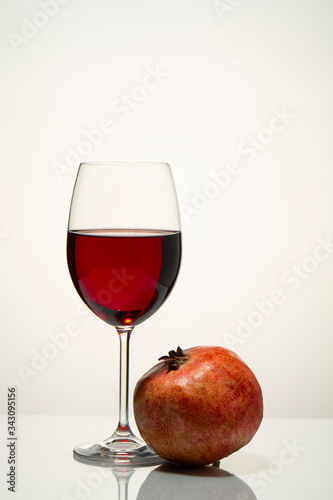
<point>174,359</point>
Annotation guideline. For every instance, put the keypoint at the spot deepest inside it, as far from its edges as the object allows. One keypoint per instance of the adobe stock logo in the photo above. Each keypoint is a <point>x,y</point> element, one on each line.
<point>117,283</point>
<point>224,7</point>
<point>31,27</point>
<point>121,108</point>
<point>249,148</point>
<point>287,456</point>
<point>85,488</point>
<point>41,358</point>
<point>292,279</point>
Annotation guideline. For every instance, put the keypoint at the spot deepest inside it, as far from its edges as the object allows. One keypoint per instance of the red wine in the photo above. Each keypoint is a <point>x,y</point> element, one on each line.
<point>123,275</point>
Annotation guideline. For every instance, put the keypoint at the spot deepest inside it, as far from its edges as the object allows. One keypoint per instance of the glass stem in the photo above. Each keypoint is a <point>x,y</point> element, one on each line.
<point>123,478</point>
<point>123,422</point>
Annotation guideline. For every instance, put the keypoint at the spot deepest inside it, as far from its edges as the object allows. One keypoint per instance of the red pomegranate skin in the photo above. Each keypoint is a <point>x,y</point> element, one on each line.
<point>207,409</point>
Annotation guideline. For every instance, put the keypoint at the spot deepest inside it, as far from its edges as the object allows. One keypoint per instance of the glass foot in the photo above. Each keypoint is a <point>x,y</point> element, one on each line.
<point>130,451</point>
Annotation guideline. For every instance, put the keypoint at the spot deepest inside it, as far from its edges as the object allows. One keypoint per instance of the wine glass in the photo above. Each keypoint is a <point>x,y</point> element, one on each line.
<point>123,254</point>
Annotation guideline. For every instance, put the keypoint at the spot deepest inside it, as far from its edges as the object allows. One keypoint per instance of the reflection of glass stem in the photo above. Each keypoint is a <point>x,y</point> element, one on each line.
<point>123,476</point>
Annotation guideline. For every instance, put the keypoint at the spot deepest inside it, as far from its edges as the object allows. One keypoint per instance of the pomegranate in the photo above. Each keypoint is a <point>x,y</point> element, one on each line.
<point>198,406</point>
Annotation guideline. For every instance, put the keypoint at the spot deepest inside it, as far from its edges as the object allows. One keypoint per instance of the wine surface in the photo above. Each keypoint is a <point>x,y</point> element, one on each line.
<point>123,275</point>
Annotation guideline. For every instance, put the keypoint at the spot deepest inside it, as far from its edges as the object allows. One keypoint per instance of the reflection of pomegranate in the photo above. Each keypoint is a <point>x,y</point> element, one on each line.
<point>198,405</point>
<point>170,481</point>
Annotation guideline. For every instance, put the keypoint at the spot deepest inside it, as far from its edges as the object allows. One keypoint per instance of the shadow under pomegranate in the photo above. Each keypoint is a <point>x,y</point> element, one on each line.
<point>174,481</point>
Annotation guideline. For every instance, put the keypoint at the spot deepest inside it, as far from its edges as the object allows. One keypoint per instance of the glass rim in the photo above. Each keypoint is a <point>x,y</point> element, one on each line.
<point>124,163</point>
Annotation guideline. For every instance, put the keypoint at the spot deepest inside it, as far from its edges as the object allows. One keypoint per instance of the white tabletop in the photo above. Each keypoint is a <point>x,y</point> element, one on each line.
<point>288,458</point>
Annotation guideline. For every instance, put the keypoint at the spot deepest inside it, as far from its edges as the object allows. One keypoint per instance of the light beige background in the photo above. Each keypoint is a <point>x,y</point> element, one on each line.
<point>193,83</point>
